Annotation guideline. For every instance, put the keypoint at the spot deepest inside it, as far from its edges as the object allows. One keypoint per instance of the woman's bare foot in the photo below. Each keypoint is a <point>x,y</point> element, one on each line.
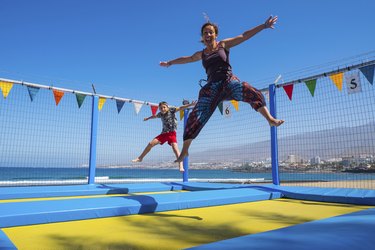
<point>137,160</point>
<point>180,159</point>
<point>181,167</point>
<point>275,122</point>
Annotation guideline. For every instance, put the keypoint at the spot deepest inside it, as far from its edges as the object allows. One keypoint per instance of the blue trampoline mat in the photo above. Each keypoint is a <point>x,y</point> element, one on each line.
<point>338,232</point>
<point>82,190</point>
<point>47,211</point>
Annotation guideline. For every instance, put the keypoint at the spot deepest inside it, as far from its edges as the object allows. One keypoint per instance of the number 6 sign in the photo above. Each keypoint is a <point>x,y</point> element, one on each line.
<point>227,110</point>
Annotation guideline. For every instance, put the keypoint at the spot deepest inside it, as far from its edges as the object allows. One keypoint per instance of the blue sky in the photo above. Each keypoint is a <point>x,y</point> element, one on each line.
<point>117,45</point>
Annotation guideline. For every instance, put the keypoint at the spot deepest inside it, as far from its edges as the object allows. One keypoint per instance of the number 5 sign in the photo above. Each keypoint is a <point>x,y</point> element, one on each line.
<point>353,83</point>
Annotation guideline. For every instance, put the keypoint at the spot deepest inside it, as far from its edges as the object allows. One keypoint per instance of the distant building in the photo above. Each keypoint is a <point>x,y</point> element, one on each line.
<point>292,159</point>
<point>333,160</point>
<point>315,160</point>
<point>347,161</point>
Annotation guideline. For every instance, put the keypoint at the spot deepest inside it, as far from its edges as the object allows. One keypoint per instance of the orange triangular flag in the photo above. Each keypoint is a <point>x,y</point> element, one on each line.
<point>289,90</point>
<point>235,104</point>
<point>58,95</point>
<point>182,114</point>
<point>337,79</point>
<point>154,109</point>
<point>5,88</point>
<point>101,102</point>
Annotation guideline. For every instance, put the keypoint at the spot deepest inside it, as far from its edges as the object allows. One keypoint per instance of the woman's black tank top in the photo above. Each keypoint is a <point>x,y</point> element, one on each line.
<point>217,65</point>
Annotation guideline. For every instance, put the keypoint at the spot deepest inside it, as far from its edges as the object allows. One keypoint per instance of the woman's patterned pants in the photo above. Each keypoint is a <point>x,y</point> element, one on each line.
<point>212,94</point>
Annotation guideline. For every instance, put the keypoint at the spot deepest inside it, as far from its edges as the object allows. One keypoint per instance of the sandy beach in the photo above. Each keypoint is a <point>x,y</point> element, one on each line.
<point>365,184</point>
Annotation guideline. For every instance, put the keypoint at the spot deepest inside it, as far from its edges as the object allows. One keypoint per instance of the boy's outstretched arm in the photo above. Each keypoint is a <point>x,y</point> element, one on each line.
<point>186,106</point>
<point>150,117</point>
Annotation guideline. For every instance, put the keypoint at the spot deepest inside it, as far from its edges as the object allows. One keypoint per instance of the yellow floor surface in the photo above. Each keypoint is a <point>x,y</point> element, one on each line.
<point>174,229</point>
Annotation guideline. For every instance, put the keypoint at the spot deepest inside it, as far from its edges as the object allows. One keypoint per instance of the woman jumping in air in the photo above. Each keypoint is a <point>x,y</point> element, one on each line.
<point>221,83</point>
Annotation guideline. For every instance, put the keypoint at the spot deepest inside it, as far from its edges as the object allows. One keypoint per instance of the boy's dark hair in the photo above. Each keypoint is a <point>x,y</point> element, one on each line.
<point>163,103</point>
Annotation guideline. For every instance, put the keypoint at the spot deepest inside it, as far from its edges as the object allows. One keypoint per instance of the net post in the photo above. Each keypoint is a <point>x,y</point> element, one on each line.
<point>93,137</point>
<point>274,147</point>
<point>185,174</point>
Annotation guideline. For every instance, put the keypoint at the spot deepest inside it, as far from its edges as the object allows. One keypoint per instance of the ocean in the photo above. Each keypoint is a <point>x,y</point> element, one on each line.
<point>17,174</point>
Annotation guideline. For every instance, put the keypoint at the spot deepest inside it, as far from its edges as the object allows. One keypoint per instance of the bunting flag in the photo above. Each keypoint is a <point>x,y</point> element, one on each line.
<point>227,110</point>
<point>353,83</point>
<point>57,95</point>
<point>266,93</point>
<point>311,84</point>
<point>182,114</point>
<point>32,92</point>
<point>289,90</point>
<point>5,88</point>
<point>154,109</point>
<point>119,105</point>
<point>337,80</point>
<point>137,107</point>
<point>235,104</point>
<point>80,98</point>
<point>101,102</point>
<point>368,72</point>
<point>220,106</point>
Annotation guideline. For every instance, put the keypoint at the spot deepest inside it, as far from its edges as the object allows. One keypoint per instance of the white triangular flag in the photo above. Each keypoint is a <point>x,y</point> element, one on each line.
<point>137,107</point>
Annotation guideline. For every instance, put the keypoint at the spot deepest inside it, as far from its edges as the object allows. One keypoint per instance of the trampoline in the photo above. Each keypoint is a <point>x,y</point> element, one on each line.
<point>180,215</point>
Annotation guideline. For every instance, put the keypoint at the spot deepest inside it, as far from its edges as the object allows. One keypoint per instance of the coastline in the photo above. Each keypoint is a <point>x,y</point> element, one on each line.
<point>363,184</point>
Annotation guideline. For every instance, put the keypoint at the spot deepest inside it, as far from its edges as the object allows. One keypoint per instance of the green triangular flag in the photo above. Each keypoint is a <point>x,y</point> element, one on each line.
<point>80,98</point>
<point>311,84</point>
<point>220,106</point>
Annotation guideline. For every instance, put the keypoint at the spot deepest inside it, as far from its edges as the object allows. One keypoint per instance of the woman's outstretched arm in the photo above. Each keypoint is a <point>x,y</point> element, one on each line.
<point>234,41</point>
<point>182,60</point>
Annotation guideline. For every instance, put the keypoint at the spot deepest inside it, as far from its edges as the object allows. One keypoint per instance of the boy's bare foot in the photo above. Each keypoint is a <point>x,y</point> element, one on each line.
<point>181,167</point>
<point>137,160</point>
<point>275,122</point>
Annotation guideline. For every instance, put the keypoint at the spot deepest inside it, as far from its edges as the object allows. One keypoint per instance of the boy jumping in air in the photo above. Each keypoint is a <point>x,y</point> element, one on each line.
<point>168,134</point>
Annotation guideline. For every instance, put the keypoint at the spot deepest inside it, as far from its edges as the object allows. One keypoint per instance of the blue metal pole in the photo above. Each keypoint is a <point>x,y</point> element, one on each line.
<point>274,147</point>
<point>94,132</point>
<point>185,175</point>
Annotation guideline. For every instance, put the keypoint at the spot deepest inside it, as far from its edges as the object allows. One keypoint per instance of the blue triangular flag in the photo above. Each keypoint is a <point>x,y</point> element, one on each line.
<point>119,105</point>
<point>368,72</point>
<point>32,91</point>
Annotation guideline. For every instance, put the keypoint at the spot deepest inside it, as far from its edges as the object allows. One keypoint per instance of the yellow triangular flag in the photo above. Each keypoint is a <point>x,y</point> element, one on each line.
<point>5,88</point>
<point>101,102</point>
<point>235,104</point>
<point>337,79</point>
<point>182,113</point>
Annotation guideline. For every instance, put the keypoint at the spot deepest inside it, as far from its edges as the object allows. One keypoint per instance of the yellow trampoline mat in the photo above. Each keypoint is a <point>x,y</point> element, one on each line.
<point>175,229</point>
